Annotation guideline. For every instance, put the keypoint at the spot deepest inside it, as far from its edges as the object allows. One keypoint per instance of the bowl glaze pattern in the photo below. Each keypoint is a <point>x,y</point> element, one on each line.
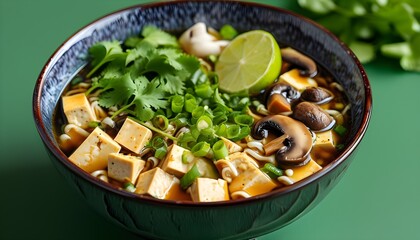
<point>241,219</point>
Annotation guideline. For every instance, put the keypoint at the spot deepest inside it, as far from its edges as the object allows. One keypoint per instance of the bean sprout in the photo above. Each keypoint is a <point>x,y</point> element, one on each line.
<point>154,160</point>
<point>257,145</point>
<point>101,174</point>
<point>98,110</point>
<point>289,172</point>
<point>240,194</point>
<point>260,157</point>
<point>108,121</point>
<point>261,109</point>
<point>338,86</point>
<point>77,129</point>
<point>285,180</point>
<point>229,171</point>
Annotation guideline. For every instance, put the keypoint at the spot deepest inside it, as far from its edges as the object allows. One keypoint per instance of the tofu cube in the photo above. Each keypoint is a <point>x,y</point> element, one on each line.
<point>133,136</point>
<point>231,146</point>
<point>250,178</point>
<point>172,163</point>
<point>325,140</point>
<point>124,167</point>
<point>302,172</point>
<point>294,79</point>
<point>209,190</point>
<point>324,147</point>
<point>93,153</point>
<point>77,110</point>
<point>253,181</point>
<point>155,182</point>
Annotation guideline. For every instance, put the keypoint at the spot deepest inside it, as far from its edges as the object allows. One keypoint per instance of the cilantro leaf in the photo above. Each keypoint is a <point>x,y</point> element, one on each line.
<point>148,95</point>
<point>116,91</point>
<point>104,52</point>
<point>158,37</point>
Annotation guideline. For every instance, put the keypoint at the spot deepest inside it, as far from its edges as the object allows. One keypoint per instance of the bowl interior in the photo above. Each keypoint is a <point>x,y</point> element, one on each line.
<point>288,28</point>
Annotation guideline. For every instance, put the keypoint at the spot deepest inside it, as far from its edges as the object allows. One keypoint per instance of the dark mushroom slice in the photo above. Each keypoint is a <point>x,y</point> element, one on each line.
<point>294,140</point>
<point>307,65</point>
<point>313,116</point>
<point>317,95</point>
<point>279,98</point>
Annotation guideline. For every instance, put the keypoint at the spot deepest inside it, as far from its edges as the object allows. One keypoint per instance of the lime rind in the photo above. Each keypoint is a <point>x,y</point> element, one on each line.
<point>250,63</point>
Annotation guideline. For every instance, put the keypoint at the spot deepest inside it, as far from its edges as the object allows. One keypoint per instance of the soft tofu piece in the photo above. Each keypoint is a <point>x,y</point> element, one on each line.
<point>77,110</point>
<point>231,146</point>
<point>209,190</point>
<point>250,178</point>
<point>155,182</point>
<point>324,148</point>
<point>297,81</point>
<point>172,163</point>
<point>302,172</point>
<point>93,153</point>
<point>133,136</point>
<point>253,181</point>
<point>124,167</point>
<point>325,140</point>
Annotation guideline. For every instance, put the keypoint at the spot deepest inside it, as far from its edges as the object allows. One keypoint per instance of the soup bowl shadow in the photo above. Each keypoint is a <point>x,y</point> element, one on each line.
<point>238,219</point>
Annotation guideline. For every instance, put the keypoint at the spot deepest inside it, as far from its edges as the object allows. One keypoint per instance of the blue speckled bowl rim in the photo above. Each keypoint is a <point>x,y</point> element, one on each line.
<point>281,191</point>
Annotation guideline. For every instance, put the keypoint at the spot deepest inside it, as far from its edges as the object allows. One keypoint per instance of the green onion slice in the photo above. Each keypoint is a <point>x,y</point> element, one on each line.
<point>201,149</point>
<point>272,171</point>
<point>220,150</point>
<point>190,177</point>
<point>177,104</point>
<point>128,186</point>
<point>161,122</point>
<point>340,130</point>
<point>204,122</point>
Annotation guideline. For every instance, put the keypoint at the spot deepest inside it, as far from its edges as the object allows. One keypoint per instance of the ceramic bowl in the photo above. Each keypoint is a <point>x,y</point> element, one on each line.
<point>239,219</point>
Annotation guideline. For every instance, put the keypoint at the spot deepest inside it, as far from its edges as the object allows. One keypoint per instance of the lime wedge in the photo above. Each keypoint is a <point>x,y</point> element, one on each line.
<point>250,63</point>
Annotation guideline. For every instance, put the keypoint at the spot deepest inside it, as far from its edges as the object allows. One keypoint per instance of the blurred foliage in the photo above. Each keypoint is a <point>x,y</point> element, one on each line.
<point>372,28</point>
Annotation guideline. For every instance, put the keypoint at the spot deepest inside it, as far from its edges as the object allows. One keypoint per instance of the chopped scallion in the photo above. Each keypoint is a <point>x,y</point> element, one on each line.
<point>190,177</point>
<point>340,130</point>
<point>272,171</point>
<point>128,186</point>
<point>160,122</point>
<point>220,150</point>
<point>201,149</point>
<point>177,104</point>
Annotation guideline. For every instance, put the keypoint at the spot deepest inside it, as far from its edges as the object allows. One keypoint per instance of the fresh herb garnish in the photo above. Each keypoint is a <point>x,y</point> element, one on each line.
<point>369,27</point>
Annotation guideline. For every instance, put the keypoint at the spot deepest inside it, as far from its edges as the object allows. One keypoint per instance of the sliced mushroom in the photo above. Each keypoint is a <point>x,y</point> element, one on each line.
<point>313,116</point>
<point>294,57</point>
<point>317,95</point>
<point>279,98</point>
<point>197,41</point>
<point>294,150</point>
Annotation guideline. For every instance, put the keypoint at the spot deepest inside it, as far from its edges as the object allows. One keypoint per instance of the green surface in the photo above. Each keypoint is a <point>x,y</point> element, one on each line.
<point>378,198</point>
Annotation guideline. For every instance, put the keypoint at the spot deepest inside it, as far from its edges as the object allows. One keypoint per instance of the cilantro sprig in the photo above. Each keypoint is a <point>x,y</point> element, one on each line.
<point>139,75</point>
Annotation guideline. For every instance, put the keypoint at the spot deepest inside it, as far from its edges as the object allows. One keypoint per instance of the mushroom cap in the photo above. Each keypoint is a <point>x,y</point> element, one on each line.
<point>296,147</point>
<point>317,95</point>
<point>294,57</point>
<point>313,116</point>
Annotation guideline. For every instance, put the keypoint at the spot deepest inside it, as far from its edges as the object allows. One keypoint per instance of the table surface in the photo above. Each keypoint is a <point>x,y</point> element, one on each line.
<point>378,198</point>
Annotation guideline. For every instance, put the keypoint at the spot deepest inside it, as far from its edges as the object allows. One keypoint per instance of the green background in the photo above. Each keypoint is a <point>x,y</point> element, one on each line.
<point>378,198</point>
